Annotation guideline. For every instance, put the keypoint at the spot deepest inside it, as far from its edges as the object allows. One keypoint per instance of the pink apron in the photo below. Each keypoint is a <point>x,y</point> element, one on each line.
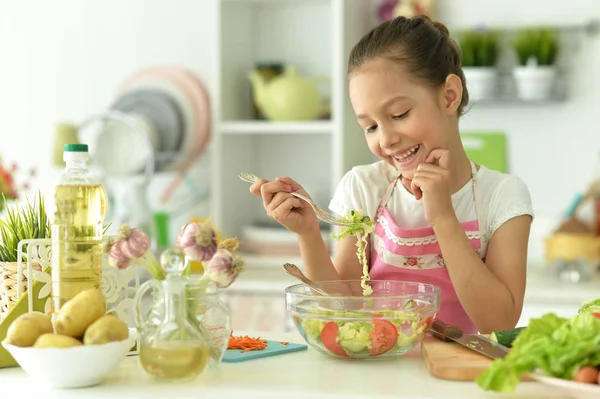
<point>414,255</point>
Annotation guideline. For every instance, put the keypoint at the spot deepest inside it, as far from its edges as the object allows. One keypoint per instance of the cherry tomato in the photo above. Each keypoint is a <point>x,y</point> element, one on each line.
<point>588,375</point>
<point>383,337</point>
<point>596,314</point>
<point>427,322</point>
<point>329,337</point>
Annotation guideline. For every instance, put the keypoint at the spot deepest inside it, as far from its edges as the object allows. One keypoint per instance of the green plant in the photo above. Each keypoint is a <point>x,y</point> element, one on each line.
<point>539,44</point>
<point>479,48</point>
<point>22,222</point>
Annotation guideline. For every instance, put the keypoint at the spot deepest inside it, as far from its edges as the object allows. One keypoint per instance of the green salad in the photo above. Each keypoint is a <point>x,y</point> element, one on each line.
<point>361,227</point>
<point>384,331</point>
<point>557,346</point>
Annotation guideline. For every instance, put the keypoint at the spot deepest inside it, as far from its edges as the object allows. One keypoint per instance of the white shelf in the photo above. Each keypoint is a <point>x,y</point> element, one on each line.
<point>265,127</point>
<point>314,36</point>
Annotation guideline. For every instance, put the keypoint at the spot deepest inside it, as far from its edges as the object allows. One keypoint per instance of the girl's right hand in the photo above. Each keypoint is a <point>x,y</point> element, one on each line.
<point>291,212</point>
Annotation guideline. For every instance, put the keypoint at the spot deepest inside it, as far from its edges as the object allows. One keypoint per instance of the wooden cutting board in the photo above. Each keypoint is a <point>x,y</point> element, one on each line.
<point>451,361</point>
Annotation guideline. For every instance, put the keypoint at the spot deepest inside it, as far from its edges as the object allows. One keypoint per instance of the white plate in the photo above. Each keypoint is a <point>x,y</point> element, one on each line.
<point>180,99</point>
<point>575,390</point>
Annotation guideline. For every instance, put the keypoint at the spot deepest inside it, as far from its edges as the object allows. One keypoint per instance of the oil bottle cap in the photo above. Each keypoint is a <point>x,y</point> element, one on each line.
<point>75,148</point>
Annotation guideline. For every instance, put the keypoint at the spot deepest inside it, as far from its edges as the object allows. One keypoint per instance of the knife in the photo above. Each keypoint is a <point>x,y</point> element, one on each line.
<point>475,342</point>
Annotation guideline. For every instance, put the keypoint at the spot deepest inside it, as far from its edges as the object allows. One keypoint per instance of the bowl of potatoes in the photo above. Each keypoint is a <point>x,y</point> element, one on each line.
<point>81,347</point>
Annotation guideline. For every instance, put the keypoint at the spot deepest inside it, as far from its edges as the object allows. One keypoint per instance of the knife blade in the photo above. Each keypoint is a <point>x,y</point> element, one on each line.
<point>475,342</point>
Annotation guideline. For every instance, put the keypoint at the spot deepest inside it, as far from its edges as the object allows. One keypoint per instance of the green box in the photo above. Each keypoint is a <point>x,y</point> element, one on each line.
<point>487,148</point>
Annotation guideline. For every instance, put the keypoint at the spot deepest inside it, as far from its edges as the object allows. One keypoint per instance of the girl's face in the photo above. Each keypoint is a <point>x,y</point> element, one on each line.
<point>402,118</point>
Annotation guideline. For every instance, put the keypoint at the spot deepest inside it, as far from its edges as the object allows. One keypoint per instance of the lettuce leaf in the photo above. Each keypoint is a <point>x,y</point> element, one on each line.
<point>361,227</point>
<point>555,345</point>
<point>590,306</point>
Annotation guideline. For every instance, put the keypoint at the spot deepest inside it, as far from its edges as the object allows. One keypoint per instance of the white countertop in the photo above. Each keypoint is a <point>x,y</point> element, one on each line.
<point>305,374</point>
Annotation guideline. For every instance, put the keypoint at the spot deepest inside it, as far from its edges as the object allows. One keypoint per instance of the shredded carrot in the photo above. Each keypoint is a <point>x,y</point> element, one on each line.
<point>284,342</point>
<point>246,343</point>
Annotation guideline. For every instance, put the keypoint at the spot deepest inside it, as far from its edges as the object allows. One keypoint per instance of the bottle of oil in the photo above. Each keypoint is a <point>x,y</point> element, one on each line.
<point>80,205</point>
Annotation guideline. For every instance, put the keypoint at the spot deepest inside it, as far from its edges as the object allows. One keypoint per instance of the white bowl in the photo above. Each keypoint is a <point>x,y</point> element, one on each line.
<point>75,367</point>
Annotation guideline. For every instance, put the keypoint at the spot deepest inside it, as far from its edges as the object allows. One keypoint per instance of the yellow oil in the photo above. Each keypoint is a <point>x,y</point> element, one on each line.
<point>174,361</point>
<point>77,240</point>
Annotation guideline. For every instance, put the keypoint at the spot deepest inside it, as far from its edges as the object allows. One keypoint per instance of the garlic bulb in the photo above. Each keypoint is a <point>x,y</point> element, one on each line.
<point>198,241</point>
<point>116,257</point>
<point>220,269</point>
<point>135,241</point>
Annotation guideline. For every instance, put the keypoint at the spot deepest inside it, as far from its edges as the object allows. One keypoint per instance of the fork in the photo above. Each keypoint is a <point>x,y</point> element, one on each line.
<point>321,214</point>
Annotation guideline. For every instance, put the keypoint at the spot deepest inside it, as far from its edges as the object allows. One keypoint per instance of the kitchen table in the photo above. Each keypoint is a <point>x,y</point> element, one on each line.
<point>305,374</point>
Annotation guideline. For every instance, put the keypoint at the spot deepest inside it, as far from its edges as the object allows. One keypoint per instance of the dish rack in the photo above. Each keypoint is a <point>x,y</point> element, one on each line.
<point>33,275</point>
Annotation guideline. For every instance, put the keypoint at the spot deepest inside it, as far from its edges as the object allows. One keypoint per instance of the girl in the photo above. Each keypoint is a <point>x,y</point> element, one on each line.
<point>440,218</point>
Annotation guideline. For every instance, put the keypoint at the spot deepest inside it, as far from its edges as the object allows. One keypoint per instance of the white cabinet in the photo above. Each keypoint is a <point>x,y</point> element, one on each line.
<point>315,36</point>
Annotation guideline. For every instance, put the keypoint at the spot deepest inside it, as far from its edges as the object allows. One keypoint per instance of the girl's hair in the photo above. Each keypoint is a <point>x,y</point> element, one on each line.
<point>424,47</point>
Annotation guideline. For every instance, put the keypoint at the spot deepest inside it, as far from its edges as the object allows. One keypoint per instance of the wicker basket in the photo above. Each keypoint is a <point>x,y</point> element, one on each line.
<point>9,280</point>
<point>573,246</point>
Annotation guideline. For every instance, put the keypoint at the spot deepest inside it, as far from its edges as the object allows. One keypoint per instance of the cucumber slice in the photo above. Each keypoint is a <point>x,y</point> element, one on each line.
<point>507,337</point>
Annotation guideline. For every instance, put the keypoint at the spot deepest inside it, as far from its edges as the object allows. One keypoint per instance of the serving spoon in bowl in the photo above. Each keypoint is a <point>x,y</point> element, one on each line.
<point>295,271</point>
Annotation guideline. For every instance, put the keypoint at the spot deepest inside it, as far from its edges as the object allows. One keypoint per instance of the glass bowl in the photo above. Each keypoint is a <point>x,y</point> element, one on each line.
<point>387,323</point>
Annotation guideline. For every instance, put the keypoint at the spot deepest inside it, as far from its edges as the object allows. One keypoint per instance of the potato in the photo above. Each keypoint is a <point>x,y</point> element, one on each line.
<point>106,329</point>
<point>56,341</point>
<point>26,329</point>
<point>80,312</point>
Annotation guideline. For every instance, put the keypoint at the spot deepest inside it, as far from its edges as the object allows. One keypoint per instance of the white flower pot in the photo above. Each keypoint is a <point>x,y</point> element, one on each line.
<point>535,82</point>
<point>481,82</point>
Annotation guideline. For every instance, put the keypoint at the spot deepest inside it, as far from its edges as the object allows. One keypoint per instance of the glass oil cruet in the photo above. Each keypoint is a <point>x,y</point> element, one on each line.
<point>174,348</point>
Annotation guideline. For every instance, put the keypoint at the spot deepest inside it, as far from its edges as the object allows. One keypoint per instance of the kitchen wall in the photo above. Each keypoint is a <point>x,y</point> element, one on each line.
<point>63,60</point>
<point>553,148</point>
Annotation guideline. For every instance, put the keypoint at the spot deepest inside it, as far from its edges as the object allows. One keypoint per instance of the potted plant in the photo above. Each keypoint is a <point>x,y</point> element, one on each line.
<point>536,50</point>
<point>479,52</point>
<point>21,221</point>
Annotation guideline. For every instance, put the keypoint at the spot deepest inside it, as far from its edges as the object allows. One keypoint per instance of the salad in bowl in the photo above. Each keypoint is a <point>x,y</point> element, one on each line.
<point>389,322</point>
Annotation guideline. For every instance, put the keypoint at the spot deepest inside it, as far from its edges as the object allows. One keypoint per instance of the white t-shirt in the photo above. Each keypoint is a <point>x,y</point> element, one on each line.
<point>500,197</point>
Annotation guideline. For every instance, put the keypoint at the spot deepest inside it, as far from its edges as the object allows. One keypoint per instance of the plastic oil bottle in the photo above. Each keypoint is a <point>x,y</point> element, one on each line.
<point>80,206</point>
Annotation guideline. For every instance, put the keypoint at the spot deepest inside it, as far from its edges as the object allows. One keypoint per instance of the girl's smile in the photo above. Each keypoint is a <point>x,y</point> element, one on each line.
<point>406,157</point>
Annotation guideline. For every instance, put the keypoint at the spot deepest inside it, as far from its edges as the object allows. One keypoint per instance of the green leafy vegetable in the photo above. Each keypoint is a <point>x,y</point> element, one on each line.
<point>555,345</point>
<point>590,306</point>
<point>361,227</point>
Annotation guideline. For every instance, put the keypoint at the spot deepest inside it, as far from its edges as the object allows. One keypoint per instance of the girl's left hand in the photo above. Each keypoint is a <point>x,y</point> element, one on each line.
<point>431,182</point>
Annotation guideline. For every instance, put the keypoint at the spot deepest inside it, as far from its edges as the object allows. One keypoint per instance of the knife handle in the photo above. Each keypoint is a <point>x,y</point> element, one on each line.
<point>443,331</point>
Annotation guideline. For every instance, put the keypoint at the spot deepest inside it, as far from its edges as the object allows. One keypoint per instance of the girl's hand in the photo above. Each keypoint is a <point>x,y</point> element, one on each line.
<point>291,212</point>
<point>431,182</point>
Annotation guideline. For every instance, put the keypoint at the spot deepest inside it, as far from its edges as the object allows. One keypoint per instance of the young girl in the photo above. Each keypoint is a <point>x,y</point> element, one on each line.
<point>440,218</point>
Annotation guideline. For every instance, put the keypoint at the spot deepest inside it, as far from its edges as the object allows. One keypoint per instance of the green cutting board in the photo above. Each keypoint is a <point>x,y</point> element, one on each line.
<point>487,148</point>
<point>273,348</point>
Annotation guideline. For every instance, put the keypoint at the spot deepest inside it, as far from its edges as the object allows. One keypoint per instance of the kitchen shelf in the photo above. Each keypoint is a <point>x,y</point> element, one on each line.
<point>265,127</point>
<point>588,28</point>
<point>315,37</point>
